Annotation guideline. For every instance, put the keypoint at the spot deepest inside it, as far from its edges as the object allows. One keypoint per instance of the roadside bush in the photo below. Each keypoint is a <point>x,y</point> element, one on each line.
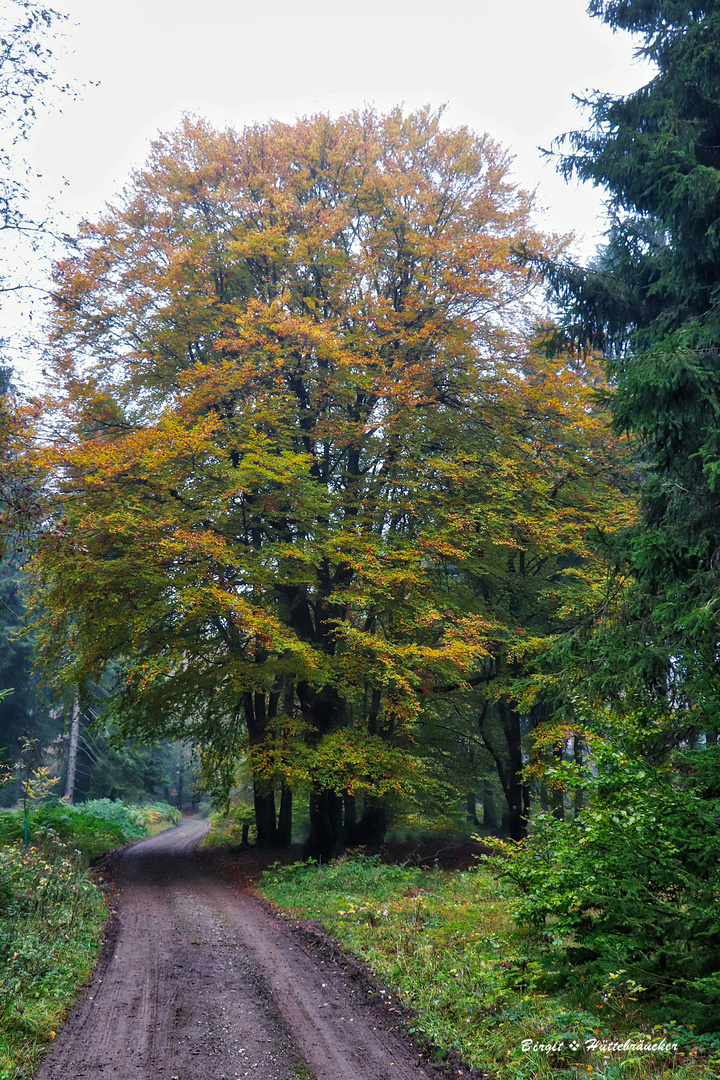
<point>52,913</point>
<point>233,826</point>
<point>134,820</point>
<point>52,917</point>
<point>630,890</point>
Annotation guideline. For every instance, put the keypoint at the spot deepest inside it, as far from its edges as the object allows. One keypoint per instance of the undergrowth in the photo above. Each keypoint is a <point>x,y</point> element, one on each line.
<point>478,987</point>
<point>53,913</point>
<point>93,827</point>
<point>231,826</point>
<point>52,917</point>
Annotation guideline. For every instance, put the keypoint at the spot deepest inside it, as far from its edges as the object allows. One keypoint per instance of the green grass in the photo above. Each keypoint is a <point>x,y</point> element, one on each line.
<point>53,914</point>
<point>448,945</point>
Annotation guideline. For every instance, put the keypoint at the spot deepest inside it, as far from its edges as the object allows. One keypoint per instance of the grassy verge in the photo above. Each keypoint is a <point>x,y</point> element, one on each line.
<point>52,917</point>
<point>53,914</point>
<point>447,943</point>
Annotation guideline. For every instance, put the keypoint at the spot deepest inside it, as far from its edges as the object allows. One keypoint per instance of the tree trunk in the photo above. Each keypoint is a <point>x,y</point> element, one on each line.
<point>284,826</point>
<point>489,810</point>
<point>72,750</point>
<point>578,754</point>
<point>557,795</point>
<point>323,841</point>
<point>526,800</point>
<point>350,805</point>
<point>471,809</point>
<point>259,710</point>
<point>323,712</point>
<point>335,809</point>
<point>515,791</point>
<point>264,801</point>
<point>372,826</point>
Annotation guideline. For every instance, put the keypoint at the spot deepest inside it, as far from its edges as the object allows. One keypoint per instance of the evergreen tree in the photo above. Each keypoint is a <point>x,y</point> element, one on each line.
<point>650,302</point>
<point>644,843</point>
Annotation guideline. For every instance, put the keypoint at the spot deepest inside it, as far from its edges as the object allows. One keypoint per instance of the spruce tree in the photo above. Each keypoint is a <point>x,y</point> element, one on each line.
<point>650,302</point>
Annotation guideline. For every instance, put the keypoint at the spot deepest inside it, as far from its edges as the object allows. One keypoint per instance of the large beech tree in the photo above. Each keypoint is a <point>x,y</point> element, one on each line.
<point>285,363</point>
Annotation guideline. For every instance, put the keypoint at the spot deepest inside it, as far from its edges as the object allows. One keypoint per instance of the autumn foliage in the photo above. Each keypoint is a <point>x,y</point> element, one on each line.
<point>297,418</point>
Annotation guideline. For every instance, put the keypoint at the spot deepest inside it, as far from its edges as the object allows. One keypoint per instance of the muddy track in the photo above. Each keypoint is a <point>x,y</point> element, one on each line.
<point>200,981</point>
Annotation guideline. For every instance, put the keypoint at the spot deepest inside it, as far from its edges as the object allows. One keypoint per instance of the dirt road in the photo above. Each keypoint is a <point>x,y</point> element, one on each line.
<point>203,982</point>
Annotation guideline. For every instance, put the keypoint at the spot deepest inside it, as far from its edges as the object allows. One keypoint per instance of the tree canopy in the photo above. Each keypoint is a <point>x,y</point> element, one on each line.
<point>28,40</point>
<point>292,377</point>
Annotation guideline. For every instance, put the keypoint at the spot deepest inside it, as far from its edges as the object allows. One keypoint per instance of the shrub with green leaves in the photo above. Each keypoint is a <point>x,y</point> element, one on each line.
<point>134,820</point>
<point>52,913</point>
<point>630,889</point>
<point>234,826</point>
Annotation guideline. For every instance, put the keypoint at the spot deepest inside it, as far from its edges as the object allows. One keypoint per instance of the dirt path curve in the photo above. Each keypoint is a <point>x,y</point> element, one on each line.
<point>203,982</point>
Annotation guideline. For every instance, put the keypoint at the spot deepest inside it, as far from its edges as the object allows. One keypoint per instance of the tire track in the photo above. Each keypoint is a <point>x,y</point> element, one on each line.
<point>205,982</point>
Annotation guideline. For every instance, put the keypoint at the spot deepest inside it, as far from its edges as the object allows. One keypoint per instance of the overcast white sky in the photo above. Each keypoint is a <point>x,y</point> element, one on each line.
<point>508,67</point>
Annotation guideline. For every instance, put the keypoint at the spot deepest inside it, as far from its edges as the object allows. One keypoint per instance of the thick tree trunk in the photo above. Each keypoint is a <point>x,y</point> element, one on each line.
<point>470,808</point>
<point>323,712</point>
<point>350,806</point>
<point>264,816</point>
<point>517,794</point>
<point>284,826</point>
<point>323,841</point>
<point>259,710</point>
<point>335,810</point>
